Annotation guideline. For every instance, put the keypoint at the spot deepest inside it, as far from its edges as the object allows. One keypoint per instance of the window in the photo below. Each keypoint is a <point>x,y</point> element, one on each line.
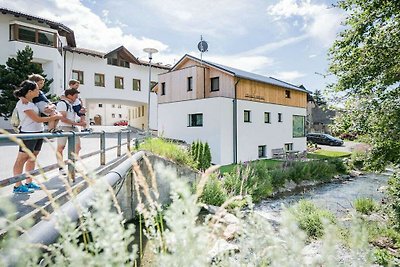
<point>120,116</point>
<point>119,82</point>
<point>215,84</point>
<point>162,88</point>
<point>136,85</point>
<point>119,106</point>
<point>32,35</point>
<point>190,83</point>
<point>113,115</point>
<point>267,117</point>
<point>246,115</point>
<point>153,84</point>
<point>99,79</point>
<point>287,93</point>
<point>118,62</point>
<point>100,105</point>
<point>113,105</point>
<point>196,120</point>
<point>298,126</point>
<point>262,151</point>
<point>77,75</point>
<point>279,117</point>
<point>289,147</point>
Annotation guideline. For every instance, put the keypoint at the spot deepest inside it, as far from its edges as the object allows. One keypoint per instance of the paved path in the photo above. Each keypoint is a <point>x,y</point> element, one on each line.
<point>348,146</point>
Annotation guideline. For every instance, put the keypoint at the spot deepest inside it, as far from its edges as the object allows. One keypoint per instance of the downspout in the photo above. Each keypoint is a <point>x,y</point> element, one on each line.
<point>235,126</point>
<point>65,68</point>
<point>204,81</point>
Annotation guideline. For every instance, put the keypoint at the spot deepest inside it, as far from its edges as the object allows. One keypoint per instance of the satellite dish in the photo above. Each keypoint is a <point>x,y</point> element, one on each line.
<point>202,46</point>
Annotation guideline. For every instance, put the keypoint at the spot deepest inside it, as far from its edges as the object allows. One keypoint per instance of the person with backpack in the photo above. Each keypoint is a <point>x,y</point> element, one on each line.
<point>77,105</point>
<point>68,123</point>
<point>30,122</point>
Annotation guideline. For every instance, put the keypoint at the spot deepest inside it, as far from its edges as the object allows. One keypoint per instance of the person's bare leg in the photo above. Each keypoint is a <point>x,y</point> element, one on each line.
<point>19,165</point>
<point>30,165</point>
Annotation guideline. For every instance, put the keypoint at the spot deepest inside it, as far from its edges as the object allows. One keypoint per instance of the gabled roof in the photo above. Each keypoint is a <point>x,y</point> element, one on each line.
<point>61,28</point>
<point>84,51</point>
<point>123,53</point>
<point>242,74</point>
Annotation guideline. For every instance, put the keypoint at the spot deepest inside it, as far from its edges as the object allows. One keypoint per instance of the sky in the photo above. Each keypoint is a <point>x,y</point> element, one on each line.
<point>284,39</point>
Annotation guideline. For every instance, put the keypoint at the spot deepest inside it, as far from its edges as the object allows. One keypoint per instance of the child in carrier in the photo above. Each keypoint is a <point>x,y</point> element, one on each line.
<point>43,103</point>
<point>77,105</point>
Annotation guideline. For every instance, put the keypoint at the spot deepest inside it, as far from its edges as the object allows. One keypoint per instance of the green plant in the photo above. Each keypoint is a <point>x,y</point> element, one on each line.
<point>201,155</point>
<point>214,193</point>
<point>169,150</point>
<point>394,199</point>
<point>365,205</point>
<point>311,219</point>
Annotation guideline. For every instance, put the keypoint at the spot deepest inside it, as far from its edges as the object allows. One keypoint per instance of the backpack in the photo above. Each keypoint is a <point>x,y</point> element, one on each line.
<point>68,105</point>
<point>15,121</point>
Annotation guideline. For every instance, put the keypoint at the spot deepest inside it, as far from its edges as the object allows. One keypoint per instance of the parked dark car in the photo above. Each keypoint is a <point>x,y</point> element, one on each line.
<point>324,139</point>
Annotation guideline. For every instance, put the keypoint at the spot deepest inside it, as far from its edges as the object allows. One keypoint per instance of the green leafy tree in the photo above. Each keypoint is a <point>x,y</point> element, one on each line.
<point>12,74</point>
<point>365,59</point>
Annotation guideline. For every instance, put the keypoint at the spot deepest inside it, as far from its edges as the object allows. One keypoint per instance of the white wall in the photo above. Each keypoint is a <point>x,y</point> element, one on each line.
<point>216,130</point>
<point>273,135</point>
<point>49,57</point>
<point>218,126</point>
<point>109,94</point>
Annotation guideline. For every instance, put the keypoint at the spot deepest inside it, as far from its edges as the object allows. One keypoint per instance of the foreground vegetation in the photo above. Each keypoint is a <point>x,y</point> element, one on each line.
<point>101,238</point>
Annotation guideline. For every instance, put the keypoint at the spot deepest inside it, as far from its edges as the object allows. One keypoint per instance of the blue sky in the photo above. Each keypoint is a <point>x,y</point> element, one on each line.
<point>285,39</point>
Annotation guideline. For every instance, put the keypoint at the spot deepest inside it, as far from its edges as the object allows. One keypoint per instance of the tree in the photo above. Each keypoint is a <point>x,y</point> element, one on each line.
<point>365,59</point>
<point>12,74</point>
<point>319,98</point>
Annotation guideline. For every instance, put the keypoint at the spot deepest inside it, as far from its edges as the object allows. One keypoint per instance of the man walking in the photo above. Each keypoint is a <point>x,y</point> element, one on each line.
<point>68,123</point>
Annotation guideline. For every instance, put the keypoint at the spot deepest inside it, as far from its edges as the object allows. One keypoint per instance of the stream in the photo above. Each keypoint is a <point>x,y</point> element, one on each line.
<point>337,197</point>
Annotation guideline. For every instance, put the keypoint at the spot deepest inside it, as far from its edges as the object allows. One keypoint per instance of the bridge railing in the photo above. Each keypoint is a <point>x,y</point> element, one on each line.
<point>70,162</point>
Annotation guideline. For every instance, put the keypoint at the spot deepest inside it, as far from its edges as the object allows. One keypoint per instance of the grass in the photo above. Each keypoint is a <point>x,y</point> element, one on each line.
<point>326,154</point>
<point>270,163</point>
<point>168,150</point>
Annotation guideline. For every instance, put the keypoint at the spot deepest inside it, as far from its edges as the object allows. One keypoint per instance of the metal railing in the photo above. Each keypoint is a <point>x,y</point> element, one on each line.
<point>71,151</point>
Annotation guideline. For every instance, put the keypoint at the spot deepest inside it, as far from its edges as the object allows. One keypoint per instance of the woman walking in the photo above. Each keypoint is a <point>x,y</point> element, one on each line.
<point>30,122</point>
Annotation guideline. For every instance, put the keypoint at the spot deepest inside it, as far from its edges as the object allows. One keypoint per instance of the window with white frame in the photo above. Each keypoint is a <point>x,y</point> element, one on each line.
<point>195,120</point>
<point>247,116</point>
<point>267,117</point>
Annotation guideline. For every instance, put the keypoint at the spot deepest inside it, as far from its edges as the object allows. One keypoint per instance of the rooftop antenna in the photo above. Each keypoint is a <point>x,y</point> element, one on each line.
<point>203,47</point>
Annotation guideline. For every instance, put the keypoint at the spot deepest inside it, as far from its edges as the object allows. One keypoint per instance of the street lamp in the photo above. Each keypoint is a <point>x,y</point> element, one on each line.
<point>150,51</point>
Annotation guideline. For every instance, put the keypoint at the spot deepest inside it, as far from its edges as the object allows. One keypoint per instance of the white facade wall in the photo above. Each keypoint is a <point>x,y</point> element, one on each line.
<point>49,57</point>
<point>216,130</point>
<point>108,95</point>
<point>272,135</point>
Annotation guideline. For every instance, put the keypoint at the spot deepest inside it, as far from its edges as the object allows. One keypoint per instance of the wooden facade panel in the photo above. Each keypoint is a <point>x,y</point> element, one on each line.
<point>226,84</point>
<point>268,93</point>
<point>176,85</point>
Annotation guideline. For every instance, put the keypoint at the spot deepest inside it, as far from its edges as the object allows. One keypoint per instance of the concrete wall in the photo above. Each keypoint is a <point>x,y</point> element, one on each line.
<point>126,191</point>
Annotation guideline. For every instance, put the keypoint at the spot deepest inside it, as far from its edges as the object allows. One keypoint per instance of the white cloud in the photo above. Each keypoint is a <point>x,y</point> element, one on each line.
<point>319,20</point>
<point>91,31</point>
<point>275,45</point>
<point>289,75</point>
<point>215,18</point>
<point>312,56</point>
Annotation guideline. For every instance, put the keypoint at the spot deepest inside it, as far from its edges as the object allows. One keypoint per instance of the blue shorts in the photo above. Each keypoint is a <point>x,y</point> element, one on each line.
<point>32,145</point>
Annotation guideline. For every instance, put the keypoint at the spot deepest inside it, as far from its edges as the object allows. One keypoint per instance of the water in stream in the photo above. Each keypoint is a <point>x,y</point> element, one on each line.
<point>338,197</point>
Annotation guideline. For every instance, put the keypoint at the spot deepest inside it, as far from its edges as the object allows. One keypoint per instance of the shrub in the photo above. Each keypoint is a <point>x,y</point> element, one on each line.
<point>310,218</point>
<point>169,150</point>
<point>365,205</point>
<point>214,193</point>
<point>201,155</point>
<point>358,160</point>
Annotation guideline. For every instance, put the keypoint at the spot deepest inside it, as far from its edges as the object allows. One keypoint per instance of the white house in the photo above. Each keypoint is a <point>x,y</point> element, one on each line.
<point>242,115</point>
<point>114,85</point>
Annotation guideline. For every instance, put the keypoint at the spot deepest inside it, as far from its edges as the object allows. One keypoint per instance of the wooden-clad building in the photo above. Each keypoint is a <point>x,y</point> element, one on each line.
<point>242,115</point>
